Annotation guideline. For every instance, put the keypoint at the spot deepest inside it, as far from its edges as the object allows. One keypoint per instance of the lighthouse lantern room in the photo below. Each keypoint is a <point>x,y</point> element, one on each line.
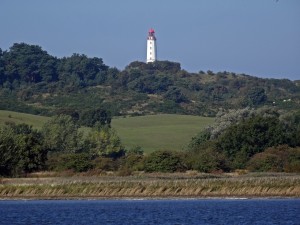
<point>151,46</point>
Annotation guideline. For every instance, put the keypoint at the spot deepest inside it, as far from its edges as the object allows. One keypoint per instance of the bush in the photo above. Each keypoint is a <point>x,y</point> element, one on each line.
<point>79,162</point>
<point>265,162</point>
<point>133,162</point>
<point>276,159</point>
<point>205,158</point>
<point>106,164</point>
<point>164,161</point>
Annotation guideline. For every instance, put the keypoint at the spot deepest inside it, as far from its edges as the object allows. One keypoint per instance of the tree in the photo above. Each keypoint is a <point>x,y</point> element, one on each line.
<point>29,64</point>
<point>255,97</point>
<point>175,94</point>
<point>82,70</point>
<point>95,116</point>
<point>30,143</point>
<point>2,75</point>
<point>104,141</point>
<point>21,150</point>
<point>61,134</point>
<point>241,141</point>
<point>9,152</point>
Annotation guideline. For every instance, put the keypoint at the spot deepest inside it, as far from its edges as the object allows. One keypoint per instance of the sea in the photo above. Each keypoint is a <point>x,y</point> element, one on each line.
<point>157,212</point>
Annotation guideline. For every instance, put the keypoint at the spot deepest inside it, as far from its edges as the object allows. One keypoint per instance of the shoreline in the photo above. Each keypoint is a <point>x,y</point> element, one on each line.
<point>151,198</point>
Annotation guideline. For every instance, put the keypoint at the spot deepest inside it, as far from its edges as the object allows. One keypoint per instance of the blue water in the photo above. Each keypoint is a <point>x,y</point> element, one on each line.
<point>158,212</point>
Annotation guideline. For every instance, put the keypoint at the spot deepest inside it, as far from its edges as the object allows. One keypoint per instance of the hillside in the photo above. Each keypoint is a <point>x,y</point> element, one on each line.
<point>18,118</point>
<point>155,132</point>
<point>35,82</point>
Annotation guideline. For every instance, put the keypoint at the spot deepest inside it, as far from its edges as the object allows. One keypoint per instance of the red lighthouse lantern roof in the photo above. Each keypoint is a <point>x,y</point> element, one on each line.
<point>151,31</point>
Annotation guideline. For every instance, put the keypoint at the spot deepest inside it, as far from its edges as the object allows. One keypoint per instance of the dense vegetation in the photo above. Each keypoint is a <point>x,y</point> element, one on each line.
<point>33,81</point>
<point>259,140</point>
<point>257,123</point>
<point>256,140</point>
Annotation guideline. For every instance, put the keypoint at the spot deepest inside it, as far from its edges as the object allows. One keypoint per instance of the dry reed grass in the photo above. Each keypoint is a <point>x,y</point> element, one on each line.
<point>153,186</point>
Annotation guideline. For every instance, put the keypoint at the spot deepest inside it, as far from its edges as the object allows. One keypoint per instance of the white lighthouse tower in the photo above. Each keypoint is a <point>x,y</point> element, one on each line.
<point>151,46</point>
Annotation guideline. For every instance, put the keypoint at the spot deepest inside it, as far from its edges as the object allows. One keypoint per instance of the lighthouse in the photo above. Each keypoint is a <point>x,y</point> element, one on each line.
<point>151,46</point>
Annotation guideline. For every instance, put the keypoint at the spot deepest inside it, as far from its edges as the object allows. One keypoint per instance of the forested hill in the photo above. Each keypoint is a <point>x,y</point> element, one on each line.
<point>35,82</point>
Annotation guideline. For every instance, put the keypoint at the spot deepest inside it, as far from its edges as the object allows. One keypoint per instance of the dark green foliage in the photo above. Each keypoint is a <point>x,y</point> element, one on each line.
<point>175,94</point>
<point>78,162</point>
<point>164,161</point>
<point>92,117</point>
<point>162,66</point>
<point>205,158</point>
<point>292,124</point>
<point>9,153</point>
<point>255,97</point>
<point>242,141</point>
<point>33,81</point>
<point>238,136</point>
<point>81,71</point>
<point>83,91</point>
<point>21,150</point>
<point>150,84</point>
<point>30,71</point>
<point>30,64</point>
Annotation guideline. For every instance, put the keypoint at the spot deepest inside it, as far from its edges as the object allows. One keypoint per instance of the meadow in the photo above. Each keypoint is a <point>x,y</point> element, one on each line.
<point>16,117</point>
<point>159,132</point>
<point>153,132</point>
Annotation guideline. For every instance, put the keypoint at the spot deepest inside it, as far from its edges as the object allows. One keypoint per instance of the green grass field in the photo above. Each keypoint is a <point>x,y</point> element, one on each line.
<point>16,117</point>
<point>159,132</point>
<point>155,132</point>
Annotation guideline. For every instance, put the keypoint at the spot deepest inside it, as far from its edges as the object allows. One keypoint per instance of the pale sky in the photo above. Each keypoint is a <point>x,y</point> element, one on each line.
<point>255,37</point>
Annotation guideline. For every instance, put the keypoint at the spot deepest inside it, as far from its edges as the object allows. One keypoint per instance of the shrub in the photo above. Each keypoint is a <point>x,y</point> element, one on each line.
<point>205,158</point>
<point>79,162</point>
<point>276,159</point>
<point>133,162</point>
<point>265,162</point>
<point>164,161</point>
<point>106,164</point>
